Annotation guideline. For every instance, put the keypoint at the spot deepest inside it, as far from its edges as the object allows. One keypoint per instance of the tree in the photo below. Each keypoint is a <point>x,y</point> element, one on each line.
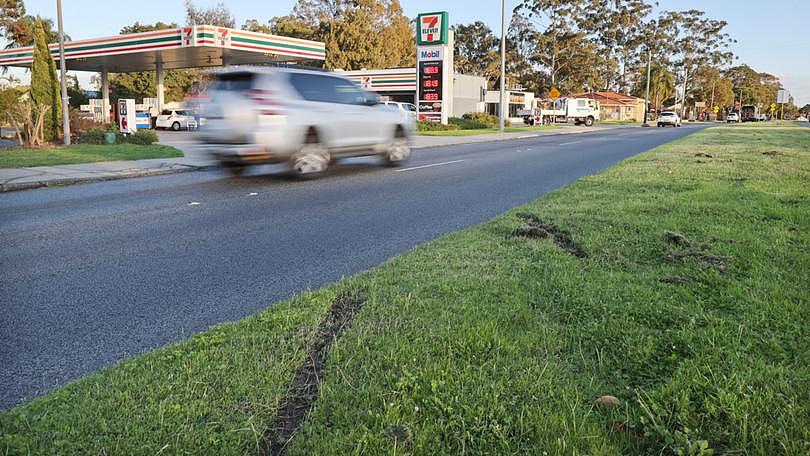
<point>477,50</point>
<point>219,15</point>
<point>753,87</point>
<point>45,85</point>
<point>711,87</point>
<point>619,29</point>
<point>805,110</point>
<point>75,93</point>
<point>18,28</point>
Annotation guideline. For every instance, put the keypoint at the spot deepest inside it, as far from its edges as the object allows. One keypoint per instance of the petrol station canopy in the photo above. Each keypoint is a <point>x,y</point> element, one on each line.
<point>184,47</point>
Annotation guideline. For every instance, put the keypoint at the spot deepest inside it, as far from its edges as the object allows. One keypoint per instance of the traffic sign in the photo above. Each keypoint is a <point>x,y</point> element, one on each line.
<point>773,107</point>
<point>716,109</point>
<point>553,94</point>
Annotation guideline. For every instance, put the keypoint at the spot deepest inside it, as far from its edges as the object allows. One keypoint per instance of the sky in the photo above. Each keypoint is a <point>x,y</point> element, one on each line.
<point>772,36</point>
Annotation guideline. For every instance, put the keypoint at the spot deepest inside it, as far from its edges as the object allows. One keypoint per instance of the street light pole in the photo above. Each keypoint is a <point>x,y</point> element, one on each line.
<point>502,118</point>
<point>65,99</point>
<point>647,91</point>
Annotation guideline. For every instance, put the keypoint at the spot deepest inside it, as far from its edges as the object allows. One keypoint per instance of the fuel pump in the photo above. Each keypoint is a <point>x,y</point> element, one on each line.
<point>126,115</point>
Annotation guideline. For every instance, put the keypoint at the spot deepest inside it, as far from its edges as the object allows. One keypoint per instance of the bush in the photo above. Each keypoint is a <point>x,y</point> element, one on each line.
<point>96,135</point>
<point>467,124</point>
<point>424,125</point>
<point>142,137</point>
<point>482,118</point>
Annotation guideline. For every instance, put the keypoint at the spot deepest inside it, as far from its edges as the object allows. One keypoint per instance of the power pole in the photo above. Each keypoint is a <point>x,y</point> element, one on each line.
<point>647,91</point>
<point>502,119</point>
<point>65,99</point>
<point>683,96</point>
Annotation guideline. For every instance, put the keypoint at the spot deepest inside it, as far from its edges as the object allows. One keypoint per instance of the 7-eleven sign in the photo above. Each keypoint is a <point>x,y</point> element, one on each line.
<point>431,28</point>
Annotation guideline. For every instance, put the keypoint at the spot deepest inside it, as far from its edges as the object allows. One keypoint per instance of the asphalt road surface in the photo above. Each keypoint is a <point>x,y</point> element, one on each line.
<point>91,274</point>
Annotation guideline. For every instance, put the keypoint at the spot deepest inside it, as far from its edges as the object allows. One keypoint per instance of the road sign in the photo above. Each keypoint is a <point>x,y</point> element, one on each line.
<point>554,94</point>
<point>773,108</point>
<point>716,109</point>
<point>700,104</point>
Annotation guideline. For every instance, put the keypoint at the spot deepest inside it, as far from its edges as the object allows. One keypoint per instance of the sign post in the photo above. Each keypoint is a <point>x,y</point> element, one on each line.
<point>434,68</point>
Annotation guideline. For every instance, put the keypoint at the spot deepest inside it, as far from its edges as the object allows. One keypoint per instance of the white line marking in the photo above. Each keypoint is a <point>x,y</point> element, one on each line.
<point>572,142</point>
<point>427,166</point>
<point>252,194</point>
<point>193,203</point>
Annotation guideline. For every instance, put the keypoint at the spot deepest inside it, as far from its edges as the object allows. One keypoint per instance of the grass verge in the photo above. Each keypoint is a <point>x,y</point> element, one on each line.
<point>659,307</point>
<point>83,153</point>
<point>483,131</point>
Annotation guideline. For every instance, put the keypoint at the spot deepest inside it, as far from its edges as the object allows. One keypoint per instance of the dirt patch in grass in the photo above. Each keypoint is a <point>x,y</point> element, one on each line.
<point>718,262</point>
<point>674,280</point>
<point>293,409</point>
<point>772,153</point>
<point>702,154</point>
<point>536,228</point>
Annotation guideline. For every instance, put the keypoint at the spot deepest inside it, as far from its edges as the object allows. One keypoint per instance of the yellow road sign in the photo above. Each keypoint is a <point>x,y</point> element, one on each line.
<point>716,109</point>
<point>554,93</point>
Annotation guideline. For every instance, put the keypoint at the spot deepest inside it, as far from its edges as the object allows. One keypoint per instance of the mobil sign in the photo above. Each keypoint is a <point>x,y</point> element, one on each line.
<point>433,53</point>
<point>431,28</point>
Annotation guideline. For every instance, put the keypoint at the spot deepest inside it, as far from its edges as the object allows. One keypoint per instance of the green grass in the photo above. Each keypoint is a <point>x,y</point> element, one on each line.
<point>83,153</point>
<point>483,131</point>
<point>486,343</point>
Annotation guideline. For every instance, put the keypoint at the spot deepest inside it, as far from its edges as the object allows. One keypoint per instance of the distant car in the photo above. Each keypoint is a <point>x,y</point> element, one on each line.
<point>302,118</point>
<point>407,108</point>
<point>176,119</point>
<point>761,117</point>
<point>669,118</point>
<point>801,119</point>
<point>732,117</point>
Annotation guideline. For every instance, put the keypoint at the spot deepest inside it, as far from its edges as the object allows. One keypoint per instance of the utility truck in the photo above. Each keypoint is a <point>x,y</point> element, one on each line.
<point>564,110</point>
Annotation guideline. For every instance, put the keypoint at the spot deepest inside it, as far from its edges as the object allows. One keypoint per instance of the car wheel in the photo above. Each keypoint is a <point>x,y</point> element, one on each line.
<point>311,160</point>
<point>399,150</point>
<point>589,122</point>
<point>176,126</point>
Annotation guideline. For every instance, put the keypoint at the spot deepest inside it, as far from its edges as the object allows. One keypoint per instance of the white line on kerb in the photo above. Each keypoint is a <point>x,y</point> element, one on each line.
<point>427,166</point>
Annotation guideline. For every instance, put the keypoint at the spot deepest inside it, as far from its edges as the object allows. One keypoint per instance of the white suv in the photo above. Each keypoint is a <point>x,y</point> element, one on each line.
<point>305,118</point>
<point>408,108</point>
<point>176,119</point>
<point>669,118</point>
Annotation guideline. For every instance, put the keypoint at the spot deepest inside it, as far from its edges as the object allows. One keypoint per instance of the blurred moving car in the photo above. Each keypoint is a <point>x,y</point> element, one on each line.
<point>669,118</point>
<point>732,117</point>
<point>305,118</point>
<point>176,120</point>
<point>408,108</point>
<point>801,119</point>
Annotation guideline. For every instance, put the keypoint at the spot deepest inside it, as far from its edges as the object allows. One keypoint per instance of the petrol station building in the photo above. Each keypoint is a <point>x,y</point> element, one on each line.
<point>199,46</point>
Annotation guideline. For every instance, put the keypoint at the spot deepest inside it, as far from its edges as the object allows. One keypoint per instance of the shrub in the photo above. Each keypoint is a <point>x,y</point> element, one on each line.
<point>467,124</point>
<point>142,137</point>
<point>482,118</point>
<point>96,135</point>
<point>424,125</point>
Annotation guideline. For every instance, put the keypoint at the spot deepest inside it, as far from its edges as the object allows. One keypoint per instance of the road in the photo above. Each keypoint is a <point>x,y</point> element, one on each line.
<point>91,274</point>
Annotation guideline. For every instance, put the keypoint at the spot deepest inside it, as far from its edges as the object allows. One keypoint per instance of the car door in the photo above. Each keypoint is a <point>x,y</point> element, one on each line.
<point>330,105</point>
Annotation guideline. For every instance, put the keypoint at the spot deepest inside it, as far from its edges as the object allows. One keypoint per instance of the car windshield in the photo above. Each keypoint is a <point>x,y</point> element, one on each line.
<point>165,112</point>
<point>667,114</point>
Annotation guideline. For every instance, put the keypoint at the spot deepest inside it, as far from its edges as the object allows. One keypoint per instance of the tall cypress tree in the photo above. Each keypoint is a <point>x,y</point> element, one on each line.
<point>45,84</point>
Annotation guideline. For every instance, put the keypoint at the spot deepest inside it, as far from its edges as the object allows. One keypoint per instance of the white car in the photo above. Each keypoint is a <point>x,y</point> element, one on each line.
<point>304,118</point>
<point>733,117</point>
<point>176,120</point>
<point>408,108</point>
<point>801,119</point>
<point>669,118</point>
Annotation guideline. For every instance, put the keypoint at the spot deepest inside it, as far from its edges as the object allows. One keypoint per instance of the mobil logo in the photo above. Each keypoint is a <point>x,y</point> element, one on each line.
<point>430,54</point>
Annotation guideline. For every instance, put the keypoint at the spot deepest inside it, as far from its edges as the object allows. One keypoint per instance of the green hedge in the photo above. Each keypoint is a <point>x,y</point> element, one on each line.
<point>96,136</point>
<point>424,125</point>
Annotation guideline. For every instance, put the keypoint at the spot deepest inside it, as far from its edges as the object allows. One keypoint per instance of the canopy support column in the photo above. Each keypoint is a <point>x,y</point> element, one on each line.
<point>105,96</point>
<point>159,85</point>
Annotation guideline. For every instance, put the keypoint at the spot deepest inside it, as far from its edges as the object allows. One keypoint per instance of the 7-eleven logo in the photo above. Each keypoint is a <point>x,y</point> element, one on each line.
<point>430,28</point>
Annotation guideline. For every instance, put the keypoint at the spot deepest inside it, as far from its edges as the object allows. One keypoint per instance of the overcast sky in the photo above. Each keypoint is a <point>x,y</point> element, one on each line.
<point>772,36</point>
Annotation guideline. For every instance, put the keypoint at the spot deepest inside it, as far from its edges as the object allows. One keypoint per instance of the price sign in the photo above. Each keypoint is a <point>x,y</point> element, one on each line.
<point>430,81</point>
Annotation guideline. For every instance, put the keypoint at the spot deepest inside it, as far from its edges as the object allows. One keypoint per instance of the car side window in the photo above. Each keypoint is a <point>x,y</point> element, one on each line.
<point>327,89</point>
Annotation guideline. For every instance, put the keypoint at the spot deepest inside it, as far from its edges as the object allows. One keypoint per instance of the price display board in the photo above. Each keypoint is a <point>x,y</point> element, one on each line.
<point>430,81</point>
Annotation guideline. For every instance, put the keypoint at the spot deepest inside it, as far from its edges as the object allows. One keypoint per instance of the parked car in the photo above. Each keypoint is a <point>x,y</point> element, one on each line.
<point>669,118</point>
<point>801,119</point>
<point>176,120</point>
<point>732,117</point>
<point>407,108</point>
<point>304,118</point>
<point>761,117</point>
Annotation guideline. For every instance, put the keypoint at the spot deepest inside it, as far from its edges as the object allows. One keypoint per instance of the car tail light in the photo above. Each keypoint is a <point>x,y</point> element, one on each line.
<point>268,103</point>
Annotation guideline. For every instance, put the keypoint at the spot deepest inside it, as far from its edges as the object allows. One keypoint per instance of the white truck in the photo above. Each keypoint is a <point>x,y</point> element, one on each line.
<point>564,110</point>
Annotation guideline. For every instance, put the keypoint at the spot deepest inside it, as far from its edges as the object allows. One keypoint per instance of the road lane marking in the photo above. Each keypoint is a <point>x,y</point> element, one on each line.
<point>572,142</point>
<point>252,194</point>
<point>427,166</point>
<point>193,203</point>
